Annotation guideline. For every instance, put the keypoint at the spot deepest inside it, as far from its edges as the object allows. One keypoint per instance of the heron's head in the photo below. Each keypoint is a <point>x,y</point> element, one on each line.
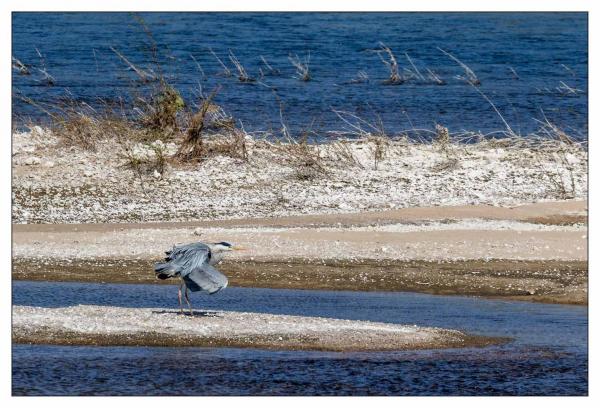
<point>223,247</point>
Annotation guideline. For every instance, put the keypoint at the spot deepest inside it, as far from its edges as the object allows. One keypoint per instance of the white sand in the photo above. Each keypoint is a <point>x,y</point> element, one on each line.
<point>57,184</point>
<point>414,239</point>
<point>106,324</point>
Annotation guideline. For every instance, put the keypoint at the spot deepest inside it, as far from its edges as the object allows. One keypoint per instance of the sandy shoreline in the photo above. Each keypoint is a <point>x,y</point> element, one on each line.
<point>101,325</point>
<point>499,218</point>
<point>532,252</point>
<point>58,183</point>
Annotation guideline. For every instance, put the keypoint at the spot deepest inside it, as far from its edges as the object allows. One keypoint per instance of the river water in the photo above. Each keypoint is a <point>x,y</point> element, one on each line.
<point>548,354</point>
<point>532,66</point>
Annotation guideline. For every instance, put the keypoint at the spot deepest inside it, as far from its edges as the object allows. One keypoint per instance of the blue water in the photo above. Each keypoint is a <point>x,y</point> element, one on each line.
<point>548,354</point>
<point>542,48</point>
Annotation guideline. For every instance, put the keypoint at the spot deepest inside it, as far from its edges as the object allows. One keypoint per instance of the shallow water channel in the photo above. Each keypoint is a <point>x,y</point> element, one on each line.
<point>548,355</point>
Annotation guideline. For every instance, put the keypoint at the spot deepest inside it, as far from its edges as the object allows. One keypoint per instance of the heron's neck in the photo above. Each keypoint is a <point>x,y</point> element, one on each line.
<point>216,257</point>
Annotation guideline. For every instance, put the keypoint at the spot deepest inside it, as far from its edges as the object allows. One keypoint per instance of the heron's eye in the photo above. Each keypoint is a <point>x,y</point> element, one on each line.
<point>227,244</point>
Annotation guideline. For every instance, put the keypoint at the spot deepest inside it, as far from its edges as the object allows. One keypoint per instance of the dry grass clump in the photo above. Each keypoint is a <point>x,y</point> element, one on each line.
<point>379,148</point>
<point>444,144</point>
<point>145,159</point>
<point>307,162</point>
<point>85,130</point>
<point>78,124</point>
<point>81,130</point>
<point>160,112</point>
<point>341,152</point>
<point>192,146</point>
<point>231,144</point>
<point>554,157</point>
<point>211,131</point>
<point>306,159</point>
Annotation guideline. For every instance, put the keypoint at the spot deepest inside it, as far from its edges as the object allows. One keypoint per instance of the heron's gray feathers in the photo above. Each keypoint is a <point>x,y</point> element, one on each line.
<point>191,262</point>
<point>206,278</point>
<point>187,250</point>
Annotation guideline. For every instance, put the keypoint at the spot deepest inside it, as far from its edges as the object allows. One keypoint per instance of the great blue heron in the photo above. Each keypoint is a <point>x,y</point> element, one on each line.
<point>192,263</point>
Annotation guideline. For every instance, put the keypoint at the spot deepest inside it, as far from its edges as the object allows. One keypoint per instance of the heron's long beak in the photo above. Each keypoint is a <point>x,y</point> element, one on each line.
<point>238,248</point>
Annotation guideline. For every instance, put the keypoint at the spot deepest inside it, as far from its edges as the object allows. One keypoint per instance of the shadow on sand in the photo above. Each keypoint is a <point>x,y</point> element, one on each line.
<point>197,313</point>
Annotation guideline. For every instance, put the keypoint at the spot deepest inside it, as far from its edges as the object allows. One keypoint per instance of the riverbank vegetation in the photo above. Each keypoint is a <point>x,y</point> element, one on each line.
<point>156,132</point>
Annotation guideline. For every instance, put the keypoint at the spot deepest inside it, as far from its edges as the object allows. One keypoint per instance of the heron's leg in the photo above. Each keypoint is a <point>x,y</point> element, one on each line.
<point>179,296</point>
<point>187,299</point>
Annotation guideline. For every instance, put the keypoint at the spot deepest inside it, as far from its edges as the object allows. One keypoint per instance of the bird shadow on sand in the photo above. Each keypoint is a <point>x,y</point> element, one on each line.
<point>197,313</point>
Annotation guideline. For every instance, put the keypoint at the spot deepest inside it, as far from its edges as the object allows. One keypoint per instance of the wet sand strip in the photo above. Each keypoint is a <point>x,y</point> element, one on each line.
<point>547,281</point>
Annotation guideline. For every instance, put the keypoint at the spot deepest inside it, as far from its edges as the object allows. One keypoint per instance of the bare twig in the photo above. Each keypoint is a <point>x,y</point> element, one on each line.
<point>48,79</point>
<point>242,74</point>
<point>508,128</point>
<point>271,70</point>
<point>302,67</point>
<point>198,66</point>
<point>471,77</point>
<point>395,78</point>
<point>421,77</point>
<point>226,72</point>
<point>19,66</point>
<point>145,76</point>
<point>433,77</point>
<point>566,89</point>
<point>361,76</point>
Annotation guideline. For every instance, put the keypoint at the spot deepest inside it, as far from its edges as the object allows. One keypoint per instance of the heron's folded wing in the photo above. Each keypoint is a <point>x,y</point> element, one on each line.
<point>185,251</point>
<point>205,277</point>
<point>182,258</point>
